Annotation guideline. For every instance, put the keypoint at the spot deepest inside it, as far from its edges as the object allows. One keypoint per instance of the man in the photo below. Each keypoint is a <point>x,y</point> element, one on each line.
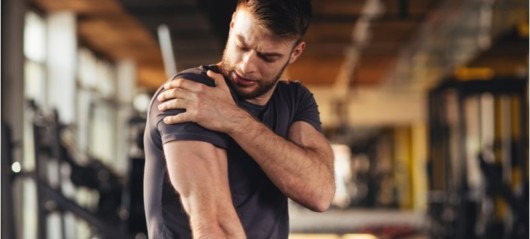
<point>225,151</point>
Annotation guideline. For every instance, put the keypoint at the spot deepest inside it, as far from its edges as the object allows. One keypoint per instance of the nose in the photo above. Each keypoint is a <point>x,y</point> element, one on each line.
<point>248,63</point>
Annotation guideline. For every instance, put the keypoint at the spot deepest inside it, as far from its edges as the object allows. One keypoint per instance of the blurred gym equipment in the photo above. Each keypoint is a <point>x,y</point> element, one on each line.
<point>118,212</point>
<point>478,169</point>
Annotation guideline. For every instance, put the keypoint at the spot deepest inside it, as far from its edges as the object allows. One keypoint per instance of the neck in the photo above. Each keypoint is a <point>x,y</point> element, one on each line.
<point>263,99</point>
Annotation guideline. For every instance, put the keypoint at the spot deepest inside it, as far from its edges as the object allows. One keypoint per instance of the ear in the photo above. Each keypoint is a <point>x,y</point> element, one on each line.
<point>297,51</point>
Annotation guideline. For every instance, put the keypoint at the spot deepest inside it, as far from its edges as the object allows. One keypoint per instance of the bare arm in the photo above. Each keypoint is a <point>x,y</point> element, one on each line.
<point>301,167</point>
<point>199,173</point>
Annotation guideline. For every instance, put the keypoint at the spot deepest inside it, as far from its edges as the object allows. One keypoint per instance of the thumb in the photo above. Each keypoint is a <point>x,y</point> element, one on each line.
<point>219,79</point>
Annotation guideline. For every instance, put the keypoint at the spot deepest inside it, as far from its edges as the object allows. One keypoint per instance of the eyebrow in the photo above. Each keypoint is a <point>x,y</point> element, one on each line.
<point>265,54</point>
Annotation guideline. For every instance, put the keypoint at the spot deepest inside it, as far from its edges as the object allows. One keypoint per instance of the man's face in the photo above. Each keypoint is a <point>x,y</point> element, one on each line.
<point>254,58</point>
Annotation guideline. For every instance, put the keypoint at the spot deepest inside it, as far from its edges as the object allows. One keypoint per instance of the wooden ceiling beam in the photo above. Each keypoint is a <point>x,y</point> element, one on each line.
<point>149,3</point>
<point>81,6</point>
<point>412,7</point>
<point>334,18</point>
<point>163,10</point>
<point>315,70</point>
<point>177,22</point>
<point>337,32</point>
<point>340,7</point>
<point>370,70</point>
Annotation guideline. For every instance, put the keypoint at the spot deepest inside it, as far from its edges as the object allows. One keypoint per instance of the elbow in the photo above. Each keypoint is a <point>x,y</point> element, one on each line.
<point>322,202</point>
<point>319,207</point>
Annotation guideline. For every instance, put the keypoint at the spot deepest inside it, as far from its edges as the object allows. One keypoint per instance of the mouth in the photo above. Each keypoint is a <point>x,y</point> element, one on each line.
<point>241,81</point>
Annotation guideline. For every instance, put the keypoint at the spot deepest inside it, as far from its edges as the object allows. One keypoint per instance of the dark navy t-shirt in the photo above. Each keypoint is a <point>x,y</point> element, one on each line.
<point>261,207</point>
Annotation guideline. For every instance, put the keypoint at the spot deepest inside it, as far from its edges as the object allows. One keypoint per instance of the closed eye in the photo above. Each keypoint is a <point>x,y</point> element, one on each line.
<point>267,58</point>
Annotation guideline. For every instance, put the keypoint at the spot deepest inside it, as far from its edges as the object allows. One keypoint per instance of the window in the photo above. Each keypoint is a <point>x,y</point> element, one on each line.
<point>96,107</point>
<point>35,54</point>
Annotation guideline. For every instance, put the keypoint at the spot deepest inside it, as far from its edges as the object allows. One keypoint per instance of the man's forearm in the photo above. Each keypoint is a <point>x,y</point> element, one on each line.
<point>204,229</point>
<point>305,174</point>
<point>217,220</point>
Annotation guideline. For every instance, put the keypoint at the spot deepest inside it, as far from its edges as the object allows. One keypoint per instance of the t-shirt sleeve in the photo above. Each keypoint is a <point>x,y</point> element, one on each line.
<point>189,131</point>
<point>307,108</point>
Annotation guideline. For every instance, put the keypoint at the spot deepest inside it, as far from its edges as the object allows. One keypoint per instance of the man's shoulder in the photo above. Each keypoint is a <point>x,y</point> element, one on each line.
<point>197,74</point>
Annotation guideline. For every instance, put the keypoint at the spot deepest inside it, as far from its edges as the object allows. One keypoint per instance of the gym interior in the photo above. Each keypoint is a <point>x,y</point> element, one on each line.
<point>425,103</point>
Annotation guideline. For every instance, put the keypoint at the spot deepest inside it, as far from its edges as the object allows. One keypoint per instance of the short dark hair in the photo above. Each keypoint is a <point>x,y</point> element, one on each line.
<point>285,18</point>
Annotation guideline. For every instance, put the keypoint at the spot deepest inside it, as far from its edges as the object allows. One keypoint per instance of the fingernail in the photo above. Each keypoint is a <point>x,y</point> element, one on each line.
<point>166,120</point>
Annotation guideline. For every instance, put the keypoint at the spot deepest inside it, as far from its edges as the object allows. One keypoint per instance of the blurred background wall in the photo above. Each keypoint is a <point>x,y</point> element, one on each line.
<point>424,101</point>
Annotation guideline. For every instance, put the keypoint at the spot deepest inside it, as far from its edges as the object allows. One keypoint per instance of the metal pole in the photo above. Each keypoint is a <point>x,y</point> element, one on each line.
<point>8,217</point>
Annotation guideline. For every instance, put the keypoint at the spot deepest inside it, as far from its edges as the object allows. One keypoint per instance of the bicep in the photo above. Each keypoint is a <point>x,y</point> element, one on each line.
<point>198,172</point>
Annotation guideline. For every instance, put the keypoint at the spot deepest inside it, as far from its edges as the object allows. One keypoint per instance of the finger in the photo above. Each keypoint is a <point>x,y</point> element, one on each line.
<point>171,94</point>
<point>170,84</point>
<point>172,104</point>
<point>174,83</point>
<point>218,78</point>
<point>183,83</point>
<point>175,119</point>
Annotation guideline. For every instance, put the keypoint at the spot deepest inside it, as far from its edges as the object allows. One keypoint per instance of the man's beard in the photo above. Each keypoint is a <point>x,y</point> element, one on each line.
<point>262,86</point>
